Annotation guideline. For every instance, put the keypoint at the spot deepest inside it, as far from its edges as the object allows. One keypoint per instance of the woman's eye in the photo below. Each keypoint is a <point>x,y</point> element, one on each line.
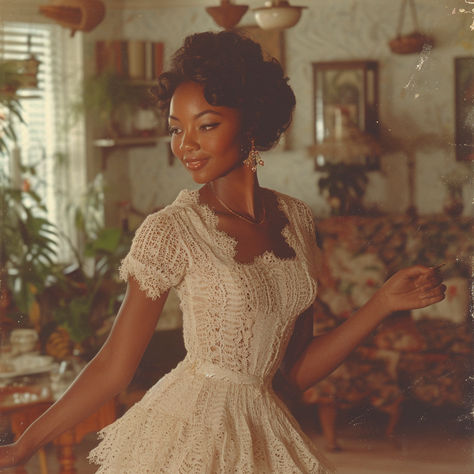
<point>173,130</point>
<point>209,126</point>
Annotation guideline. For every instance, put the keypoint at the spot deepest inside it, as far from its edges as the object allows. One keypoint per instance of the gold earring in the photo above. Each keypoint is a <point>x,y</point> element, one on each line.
<point>253,159</point>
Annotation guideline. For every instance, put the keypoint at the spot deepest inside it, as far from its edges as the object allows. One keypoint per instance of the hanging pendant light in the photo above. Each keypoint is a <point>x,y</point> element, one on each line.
<point>227,14</point>
<point>79,15</point>
<point>277,14</point>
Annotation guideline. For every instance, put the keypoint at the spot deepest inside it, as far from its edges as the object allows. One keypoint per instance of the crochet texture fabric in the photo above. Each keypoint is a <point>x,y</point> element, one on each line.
<point>216,411</point>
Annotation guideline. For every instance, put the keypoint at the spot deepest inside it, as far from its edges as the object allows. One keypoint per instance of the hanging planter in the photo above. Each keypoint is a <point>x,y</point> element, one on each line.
<point>78,15</point>
<point>413,42</point>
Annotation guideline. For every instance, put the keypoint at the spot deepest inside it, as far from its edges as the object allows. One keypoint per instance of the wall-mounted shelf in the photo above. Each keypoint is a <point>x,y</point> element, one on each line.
<point>142,82</point>
<point>109,144</point>
<point>130,141</point>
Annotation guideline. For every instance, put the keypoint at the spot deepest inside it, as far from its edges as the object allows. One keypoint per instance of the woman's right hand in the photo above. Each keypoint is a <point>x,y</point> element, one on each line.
<point>12,455</point>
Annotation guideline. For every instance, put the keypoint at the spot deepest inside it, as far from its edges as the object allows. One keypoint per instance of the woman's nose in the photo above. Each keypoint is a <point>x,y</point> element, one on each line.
<point>188,142</point>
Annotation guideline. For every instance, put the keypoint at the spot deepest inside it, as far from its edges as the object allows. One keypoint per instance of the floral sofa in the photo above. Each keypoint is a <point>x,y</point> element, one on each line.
<point>423,355</point>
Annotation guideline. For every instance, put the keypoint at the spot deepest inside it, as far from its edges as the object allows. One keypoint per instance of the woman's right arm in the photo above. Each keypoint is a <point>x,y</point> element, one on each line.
<point>109,372</point>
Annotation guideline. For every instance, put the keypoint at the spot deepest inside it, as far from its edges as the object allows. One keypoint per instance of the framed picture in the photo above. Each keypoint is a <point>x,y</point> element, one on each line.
<point>271,41</point>
<point>346,101</point>
<point>464,107</point>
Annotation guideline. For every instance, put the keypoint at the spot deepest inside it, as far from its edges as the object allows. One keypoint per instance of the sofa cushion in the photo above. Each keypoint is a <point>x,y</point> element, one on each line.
<point>426,335</point>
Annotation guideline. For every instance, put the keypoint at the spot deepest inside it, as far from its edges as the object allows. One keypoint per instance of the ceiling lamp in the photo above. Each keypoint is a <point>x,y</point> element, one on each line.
<point>277,14</point>
<point>79,15</point>
<point>227,15</point>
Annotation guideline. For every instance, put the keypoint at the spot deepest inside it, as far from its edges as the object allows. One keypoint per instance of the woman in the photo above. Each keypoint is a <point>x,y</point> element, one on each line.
<point>243,260</point>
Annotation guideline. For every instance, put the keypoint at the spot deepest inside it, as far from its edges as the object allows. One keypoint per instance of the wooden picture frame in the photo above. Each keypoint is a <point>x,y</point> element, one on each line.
<point>464,107</point>
<point>348,87</point>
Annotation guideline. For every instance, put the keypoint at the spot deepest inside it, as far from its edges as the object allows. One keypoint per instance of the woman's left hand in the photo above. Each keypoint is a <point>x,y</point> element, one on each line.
<point>411,288</point>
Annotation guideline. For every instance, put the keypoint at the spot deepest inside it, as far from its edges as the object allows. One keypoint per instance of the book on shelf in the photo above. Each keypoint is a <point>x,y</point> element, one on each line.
<point>136,59</point>
<point>157,59</point>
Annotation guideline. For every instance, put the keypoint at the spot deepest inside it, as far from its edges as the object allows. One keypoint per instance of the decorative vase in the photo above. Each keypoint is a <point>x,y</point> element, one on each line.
<point>453,204</point>
<point>23,340</point>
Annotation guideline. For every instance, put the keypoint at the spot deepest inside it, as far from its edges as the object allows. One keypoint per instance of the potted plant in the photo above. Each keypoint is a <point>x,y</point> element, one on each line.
<point>66,303</point>
<point>36,290</point>
<point>87,293</point>
<point>27,250</point>
<point>344,186</point>
<point>114,99</point>
<point>454,181</point>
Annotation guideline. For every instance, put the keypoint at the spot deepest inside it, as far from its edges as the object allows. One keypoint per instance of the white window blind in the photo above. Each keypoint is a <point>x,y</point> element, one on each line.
<point>36,139</point>
<point>47,134</point>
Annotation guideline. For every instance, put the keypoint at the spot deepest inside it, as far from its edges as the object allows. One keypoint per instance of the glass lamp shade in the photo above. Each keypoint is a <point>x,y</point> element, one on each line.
<point>277,14</point>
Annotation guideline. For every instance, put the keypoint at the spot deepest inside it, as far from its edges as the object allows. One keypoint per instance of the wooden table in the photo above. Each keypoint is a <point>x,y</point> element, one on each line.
<point>22,416</point>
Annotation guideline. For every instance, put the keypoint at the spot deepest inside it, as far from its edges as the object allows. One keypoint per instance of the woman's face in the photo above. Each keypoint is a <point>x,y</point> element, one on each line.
<point>206,138</point>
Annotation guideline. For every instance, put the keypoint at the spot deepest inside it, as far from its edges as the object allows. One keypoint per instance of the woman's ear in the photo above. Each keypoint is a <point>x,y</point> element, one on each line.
<point>245,143</point>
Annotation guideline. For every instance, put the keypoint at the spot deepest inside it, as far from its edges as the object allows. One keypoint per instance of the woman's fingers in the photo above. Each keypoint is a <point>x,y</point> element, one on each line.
<point>435,294</point>
<point>433,278</point>
<point>430,286</point>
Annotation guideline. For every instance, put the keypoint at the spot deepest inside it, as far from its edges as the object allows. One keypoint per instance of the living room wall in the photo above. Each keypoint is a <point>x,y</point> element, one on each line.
<point>416,98</point>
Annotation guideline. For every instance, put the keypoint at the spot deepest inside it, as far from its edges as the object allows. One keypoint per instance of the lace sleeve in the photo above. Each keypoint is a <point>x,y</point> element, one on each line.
<point>156,259</point>
<point>311,237</point>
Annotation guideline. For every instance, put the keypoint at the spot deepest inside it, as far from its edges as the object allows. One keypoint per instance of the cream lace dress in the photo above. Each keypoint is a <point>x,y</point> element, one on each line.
<point>216,411</point>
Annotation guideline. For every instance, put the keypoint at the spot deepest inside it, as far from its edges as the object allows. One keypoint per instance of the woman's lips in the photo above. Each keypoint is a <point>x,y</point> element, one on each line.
<point>196,164</point>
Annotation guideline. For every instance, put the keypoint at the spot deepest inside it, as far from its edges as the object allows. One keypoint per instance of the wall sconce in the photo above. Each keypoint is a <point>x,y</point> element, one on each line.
<point>227,14</point>
<point>277,14</point>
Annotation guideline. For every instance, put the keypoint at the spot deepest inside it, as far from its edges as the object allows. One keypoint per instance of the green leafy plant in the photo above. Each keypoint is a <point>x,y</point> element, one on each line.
<point>86,295</point>
<point>28,246</point>
<point>111,97</point>
<point>35,287</point>
<point>44,292</point>
<point>344,187</point>
<point>88,291</point>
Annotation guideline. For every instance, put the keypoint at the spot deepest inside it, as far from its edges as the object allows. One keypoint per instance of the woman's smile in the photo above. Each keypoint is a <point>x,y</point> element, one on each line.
<point>195,164</point>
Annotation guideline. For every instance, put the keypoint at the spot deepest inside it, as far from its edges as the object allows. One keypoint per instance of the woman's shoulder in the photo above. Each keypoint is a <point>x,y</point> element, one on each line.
<point>173,213</point>
<point>294,205</point>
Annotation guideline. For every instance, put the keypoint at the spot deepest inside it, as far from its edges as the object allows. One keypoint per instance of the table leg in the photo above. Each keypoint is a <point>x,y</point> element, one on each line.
<point>66,459</point>
<point>42,461</point>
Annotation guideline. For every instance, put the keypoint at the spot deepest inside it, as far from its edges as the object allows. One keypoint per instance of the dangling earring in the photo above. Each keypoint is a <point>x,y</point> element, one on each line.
<point>253,159</point>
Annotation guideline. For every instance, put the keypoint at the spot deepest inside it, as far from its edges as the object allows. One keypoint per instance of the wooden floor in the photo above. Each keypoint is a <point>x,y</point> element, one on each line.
<point>426,443</point>
<point>421,446</point>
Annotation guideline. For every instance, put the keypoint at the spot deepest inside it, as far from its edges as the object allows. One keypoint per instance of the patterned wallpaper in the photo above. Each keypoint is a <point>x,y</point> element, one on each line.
<point>416,95</point>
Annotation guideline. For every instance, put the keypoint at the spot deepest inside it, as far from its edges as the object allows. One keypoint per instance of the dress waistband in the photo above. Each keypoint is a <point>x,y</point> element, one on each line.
<point>214,371</point>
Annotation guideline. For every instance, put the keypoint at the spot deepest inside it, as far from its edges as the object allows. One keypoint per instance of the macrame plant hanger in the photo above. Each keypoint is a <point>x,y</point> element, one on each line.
<point>412,42</point>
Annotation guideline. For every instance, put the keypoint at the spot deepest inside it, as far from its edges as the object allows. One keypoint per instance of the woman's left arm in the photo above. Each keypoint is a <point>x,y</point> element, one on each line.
<point>413,287</point>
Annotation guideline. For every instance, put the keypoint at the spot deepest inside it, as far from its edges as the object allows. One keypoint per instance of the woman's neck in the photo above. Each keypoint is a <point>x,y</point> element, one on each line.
<point>240,191</point>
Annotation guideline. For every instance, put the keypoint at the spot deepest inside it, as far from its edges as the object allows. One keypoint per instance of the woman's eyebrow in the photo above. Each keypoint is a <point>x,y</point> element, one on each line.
<point>200,114</point>
<point>207,111</point>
